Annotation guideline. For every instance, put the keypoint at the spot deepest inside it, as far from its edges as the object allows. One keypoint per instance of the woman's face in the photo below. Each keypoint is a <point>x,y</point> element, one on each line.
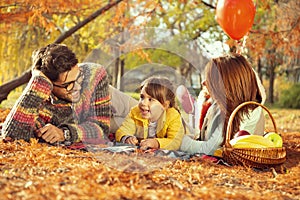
<point>150,108</point>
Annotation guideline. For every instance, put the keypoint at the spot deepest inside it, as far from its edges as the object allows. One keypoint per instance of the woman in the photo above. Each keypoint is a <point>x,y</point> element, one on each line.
<point>230,81</point>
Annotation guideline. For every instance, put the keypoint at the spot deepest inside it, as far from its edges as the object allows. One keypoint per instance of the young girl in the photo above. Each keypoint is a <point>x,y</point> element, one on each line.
<point>230,81</point>
<point>155,122</point>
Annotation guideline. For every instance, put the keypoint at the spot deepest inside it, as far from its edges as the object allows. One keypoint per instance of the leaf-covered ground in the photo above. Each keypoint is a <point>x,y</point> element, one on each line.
<point>35,171</point>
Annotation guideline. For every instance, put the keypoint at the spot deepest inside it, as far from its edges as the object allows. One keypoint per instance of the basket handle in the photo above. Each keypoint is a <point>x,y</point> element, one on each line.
<point>229,125</point>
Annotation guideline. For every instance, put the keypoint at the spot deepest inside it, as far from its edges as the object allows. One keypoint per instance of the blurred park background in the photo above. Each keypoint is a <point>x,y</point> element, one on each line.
<point>134,39</point>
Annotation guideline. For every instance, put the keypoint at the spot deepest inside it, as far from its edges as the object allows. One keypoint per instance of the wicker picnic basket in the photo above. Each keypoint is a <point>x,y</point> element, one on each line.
<point>252,157</point>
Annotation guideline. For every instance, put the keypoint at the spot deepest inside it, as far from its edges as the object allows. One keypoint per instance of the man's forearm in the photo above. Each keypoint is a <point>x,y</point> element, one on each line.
<point>21,122</point>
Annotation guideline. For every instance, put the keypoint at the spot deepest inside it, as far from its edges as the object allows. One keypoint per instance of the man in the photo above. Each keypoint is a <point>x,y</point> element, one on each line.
<point>63,102</point>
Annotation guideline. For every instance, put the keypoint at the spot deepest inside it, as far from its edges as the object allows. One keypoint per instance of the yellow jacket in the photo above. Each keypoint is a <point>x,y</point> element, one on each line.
<point>169,131</point>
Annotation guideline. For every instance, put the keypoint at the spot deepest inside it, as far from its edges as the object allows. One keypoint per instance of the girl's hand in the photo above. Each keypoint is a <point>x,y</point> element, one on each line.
<point>132,140</point>
<point>149,143</point>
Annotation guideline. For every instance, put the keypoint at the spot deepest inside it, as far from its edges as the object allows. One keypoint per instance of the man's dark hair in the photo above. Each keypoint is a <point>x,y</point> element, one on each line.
<point>54,59</point>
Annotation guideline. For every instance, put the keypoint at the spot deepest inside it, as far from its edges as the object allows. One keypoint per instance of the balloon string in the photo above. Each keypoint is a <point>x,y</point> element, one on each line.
<point>238,47</point>
<point>241,45</point>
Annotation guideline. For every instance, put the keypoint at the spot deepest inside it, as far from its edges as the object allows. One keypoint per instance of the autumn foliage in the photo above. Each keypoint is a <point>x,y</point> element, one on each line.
<point>37,171</point>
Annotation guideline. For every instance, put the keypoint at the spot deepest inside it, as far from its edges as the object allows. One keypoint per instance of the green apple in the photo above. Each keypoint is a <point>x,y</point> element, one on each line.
<point>275,138</point>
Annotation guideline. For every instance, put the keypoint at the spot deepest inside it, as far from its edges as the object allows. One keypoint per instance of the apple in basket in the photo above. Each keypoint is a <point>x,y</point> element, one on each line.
<point>241,133</point>
<point>275,138</point>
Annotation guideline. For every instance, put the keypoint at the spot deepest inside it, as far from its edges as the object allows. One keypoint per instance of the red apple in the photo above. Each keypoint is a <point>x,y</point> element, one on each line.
<point>241,133</point>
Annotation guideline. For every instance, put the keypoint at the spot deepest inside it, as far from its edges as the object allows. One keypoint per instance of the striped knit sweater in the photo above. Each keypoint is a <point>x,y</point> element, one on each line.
<point>88,120</point>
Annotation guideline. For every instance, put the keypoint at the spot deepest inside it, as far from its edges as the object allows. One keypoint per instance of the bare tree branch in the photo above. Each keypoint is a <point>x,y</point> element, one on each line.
<point>6,88</point>
<point>87,20</point>
<point>208,5</point>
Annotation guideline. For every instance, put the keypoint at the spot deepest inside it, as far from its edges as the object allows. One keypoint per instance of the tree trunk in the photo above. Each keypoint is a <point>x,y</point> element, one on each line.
<point>122,70</point>
<point>272,79</point>
<point>116,74</point>
<point>7,87</point>
<point>259,67</point>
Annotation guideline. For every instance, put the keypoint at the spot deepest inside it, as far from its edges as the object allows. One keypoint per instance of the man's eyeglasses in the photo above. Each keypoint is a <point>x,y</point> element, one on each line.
<point>70,85</point>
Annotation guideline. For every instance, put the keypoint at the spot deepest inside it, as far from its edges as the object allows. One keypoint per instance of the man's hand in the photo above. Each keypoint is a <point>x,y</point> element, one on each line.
<point>36,72</point>
<point>51,134</point>
<point>149,143</point>
<point>132,140</point>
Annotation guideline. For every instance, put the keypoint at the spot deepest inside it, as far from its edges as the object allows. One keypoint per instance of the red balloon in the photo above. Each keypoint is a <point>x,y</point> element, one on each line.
<point>235,17</point>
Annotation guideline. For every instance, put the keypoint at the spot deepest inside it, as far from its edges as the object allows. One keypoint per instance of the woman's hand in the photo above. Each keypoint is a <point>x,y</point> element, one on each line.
<point>149,143</point>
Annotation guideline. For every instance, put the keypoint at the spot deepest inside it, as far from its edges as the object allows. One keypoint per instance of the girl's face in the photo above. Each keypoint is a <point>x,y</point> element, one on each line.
<point>150,108</point>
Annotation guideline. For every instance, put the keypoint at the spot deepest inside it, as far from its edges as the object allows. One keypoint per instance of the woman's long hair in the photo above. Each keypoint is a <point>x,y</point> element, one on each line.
<point>231,81</point>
